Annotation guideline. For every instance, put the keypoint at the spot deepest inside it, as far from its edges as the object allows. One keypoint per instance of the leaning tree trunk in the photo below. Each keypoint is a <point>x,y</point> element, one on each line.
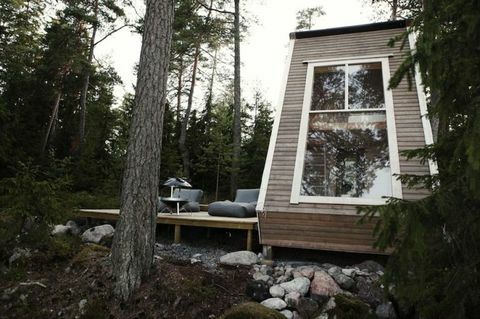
<point>236,102</point>
<point>183,130</point>
<point>132,252</point>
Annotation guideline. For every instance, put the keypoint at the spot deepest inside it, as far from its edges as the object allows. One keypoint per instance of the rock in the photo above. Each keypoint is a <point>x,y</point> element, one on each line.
<point>323,286</point>
<point>386,311</point>
<point>252,310</point>
<point>194,261</point>
<point>370,266</point>
<point>7,293</point>
<point>350,272</point>
<point>282,279</point>
<point>292,299</point>
<point>81,305</point>
<point>98,234</point>
<point>332,271</point>
<point>330,305</point>
<point>274,303</point>
<point>266,270</point>
<point>296,315</point>
<point>239,258</point>
<point>277,291</point>
<point>287,314</point>
<point>322,316</point>
<point>300,284</point>
<point>74,229</point>
<point>307,307</point>
<point>59,230</point>
<point>19,253</point>
<point>197,256</point>
<point>370,292</point>
<point>303,271</point>
<point>344,281</point>
<point>257,290</point>
<point>262,277</point>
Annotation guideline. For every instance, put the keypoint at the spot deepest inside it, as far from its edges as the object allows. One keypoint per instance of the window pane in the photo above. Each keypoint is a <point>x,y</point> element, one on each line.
<point>347,156</point>
<point>328,88</point>
<point>365,86</point>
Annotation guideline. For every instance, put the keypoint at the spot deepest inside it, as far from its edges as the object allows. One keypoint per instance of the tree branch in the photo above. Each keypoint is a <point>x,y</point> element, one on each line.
<point>213,9</point>
<point>112,32</point>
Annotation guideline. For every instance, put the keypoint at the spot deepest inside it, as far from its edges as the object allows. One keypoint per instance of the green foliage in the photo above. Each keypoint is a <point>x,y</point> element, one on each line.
<point>252,310</point>
<point>436,256</point>
<point>305,17</point>
<point>35,194</point>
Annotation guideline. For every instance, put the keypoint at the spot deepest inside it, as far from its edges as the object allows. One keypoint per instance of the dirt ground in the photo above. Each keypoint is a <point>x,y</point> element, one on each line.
<point>57,289</point>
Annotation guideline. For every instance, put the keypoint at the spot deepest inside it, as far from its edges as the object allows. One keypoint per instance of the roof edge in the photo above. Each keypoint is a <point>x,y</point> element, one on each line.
<point>350,29</point>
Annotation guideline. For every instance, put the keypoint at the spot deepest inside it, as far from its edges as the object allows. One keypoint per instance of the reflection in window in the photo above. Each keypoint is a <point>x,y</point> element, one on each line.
<point>365,86</point>
<point>347,156</point>
<point>328,88</point>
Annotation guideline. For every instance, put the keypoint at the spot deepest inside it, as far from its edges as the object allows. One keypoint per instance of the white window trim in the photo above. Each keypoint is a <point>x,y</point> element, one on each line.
<point>295,197</point>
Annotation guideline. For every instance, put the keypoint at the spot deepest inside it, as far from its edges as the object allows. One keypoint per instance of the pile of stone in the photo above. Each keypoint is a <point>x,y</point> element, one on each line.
<point>319,291</point>
<point>102,234</point>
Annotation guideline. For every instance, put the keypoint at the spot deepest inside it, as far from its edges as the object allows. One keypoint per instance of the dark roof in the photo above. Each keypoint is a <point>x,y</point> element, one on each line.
<point>350,29</point>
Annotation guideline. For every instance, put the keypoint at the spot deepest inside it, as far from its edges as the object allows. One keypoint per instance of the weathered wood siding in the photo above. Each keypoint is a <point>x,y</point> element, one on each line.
<point>328,226</point>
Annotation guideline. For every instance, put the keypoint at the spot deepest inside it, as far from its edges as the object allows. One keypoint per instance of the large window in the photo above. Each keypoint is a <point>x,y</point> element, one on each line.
<point>346,152</point>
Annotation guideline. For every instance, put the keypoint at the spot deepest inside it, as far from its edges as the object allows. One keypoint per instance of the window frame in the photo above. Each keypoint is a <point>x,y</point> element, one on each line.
<point>295,197</point>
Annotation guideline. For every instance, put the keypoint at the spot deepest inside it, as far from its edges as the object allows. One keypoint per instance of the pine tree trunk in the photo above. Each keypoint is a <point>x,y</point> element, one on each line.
<point>183,130</point>
<point>179,95</point>
<point>53,119</point>
<point>86,82</point>
<point>393,17</point>
<point>134,240</point>
<point>236,102</point>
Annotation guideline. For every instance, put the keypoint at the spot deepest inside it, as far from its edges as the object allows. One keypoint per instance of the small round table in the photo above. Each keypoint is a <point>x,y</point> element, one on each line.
<point>174,203</point>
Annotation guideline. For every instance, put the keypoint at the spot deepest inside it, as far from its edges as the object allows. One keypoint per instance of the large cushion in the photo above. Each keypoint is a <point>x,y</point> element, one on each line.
<point>247,195</point>
<point>231,209</point>
<point>244,205</point>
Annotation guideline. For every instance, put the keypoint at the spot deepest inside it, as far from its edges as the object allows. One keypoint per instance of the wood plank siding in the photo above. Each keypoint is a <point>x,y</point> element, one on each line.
<point>332,226</point>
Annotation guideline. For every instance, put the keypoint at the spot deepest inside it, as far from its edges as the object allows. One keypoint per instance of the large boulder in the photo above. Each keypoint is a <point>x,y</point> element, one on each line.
<point>299,284</point>
<point>370,291</point>
<point>323,286</point>
<point>252,310</point>
<point>344,281</point>
<point>239,258</point>
<point>274,303</point>
<point>257,290</point>
<point>98,234</point>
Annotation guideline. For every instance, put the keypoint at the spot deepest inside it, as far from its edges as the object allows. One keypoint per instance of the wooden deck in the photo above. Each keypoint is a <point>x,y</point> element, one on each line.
<point>200,219</point>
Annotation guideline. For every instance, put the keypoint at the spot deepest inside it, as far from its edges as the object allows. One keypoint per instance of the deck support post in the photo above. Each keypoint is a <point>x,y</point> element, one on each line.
<point>267,252</point>
<point>178,234</point>
<point>249,240</point>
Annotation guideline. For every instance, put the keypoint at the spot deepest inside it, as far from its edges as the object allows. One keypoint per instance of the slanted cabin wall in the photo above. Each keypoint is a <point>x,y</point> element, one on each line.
<point>332,226</point>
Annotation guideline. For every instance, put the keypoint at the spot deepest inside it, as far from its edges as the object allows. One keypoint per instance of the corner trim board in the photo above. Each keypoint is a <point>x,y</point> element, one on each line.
<point>422,101</point>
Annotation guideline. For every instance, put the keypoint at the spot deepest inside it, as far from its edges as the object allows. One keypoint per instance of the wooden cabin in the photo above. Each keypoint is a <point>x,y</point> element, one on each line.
<point>337,136</point>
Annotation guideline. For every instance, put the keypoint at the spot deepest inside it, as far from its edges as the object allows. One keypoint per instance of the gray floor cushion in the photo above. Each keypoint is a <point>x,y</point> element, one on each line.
<point>243,206</point>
